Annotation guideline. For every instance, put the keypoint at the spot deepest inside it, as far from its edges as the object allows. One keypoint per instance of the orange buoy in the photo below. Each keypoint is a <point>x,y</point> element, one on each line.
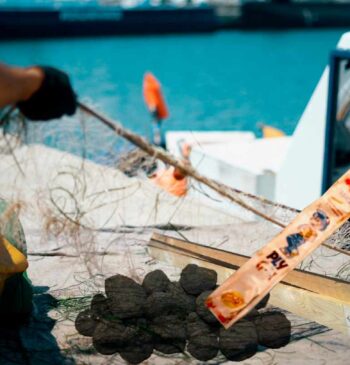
<point>171,181</point>
<point>152,94</point>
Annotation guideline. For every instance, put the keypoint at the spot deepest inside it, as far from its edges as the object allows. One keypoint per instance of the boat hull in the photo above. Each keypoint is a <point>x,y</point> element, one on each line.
<point>257,15</point>
<point>66,22</point>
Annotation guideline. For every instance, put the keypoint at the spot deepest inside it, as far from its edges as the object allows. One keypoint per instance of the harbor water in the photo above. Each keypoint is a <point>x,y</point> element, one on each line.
<point>220,81</point>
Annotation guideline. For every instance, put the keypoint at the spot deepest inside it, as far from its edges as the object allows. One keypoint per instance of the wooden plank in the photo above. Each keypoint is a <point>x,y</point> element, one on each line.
<point>315,307</point>
<point>328,311</point>
<point>334,288</point>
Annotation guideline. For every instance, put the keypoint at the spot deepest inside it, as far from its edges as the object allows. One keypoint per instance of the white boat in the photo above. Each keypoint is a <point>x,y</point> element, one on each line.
<point>290,170</point>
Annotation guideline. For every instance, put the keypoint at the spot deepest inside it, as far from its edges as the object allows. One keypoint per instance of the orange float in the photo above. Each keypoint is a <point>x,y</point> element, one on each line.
<point>152,94</point>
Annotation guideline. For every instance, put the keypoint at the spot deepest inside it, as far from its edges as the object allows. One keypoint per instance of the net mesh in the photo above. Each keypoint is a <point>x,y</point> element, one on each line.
<point>83,196</point>
<point>104,171</point>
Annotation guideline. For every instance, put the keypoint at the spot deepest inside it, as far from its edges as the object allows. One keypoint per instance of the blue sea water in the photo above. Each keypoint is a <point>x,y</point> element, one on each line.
<point>220,81</point>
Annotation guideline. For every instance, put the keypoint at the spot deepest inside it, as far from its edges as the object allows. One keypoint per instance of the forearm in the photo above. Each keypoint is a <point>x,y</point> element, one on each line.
<point>18,84</point>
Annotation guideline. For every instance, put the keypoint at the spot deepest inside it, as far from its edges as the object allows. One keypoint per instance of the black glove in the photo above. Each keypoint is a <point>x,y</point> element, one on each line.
<point>54,98</point>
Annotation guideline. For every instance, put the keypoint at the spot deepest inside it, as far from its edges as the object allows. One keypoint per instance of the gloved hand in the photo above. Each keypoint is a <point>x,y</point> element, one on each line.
<point>54,98</point>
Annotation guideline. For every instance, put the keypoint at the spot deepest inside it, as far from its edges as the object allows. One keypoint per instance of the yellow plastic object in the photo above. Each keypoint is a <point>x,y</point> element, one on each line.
<point>12,261</point>
<point>271,132</point>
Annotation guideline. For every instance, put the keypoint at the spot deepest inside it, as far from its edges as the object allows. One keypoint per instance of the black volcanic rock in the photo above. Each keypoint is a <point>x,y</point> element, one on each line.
<point>203,343</point>
<point>171,317</point>
<point>188,300</point>
<point>195,326</point>
<point>140,349</point>
<point>135,355</point>
<point>273,329</point>
<point>99,306</point>
<point>263,302</point>
<point>252,315</point>
<point>111,337</point>
<point>163,304</point>
<point>203,311</point>
<point>169,333</point>
<point>239,342</point>
<point>126,297</point>
<point>141,323</point>
<point>203,348</point>
<point>117,284</point>
<point>170,347</point>
<point>85,323</point>
<point>155,281</point>
<point>169,328</point>
<point>195,279</point>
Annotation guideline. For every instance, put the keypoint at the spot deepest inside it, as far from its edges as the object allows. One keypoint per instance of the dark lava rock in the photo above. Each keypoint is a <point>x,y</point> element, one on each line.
<point>126,307</point>
<point>116,284</point>
<point>239,342</point>
<point>168,328</point>
<point>141,323</point>
<point>155,281</point>
<point>195,279</point>
<point>170,347</point>
<point>85,323</point>
<point>273,329</point>
<point>203,343</point>
<point>203,311</point>
<point>126,297</point>
<point>163,304</point>
<point>188,300</point>
<point>111,337</point>
<point>252,315</point>
<point>195,326</point>
<point>99,306</point>
<point>203,348</point>
<point>140,349</point>
<point>263,302</point>
<point>135,355</point>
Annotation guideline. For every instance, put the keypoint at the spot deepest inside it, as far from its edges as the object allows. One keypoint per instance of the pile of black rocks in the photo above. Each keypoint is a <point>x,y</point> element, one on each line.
<point>171,317</point>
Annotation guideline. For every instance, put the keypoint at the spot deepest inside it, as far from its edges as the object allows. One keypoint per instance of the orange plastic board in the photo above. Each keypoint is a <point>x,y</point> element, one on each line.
<point>243,290</point>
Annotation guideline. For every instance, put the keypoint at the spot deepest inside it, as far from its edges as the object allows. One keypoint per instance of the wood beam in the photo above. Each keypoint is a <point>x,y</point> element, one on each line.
<point>315,297</point>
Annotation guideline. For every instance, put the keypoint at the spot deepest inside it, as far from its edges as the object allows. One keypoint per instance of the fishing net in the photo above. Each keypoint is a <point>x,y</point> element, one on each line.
<point>88,210</point>
<point>103,174</point>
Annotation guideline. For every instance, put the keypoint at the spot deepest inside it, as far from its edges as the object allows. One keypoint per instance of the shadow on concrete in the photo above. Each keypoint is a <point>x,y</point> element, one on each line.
<point>31,342</point>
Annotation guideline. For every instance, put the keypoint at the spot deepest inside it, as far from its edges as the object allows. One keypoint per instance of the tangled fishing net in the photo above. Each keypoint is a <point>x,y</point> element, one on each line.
<point>71,196</point>
<point>83,194</point>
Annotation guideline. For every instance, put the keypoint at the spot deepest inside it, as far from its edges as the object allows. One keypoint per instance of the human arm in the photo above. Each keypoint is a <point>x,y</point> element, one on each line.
<point>18,84</point>
<point>40,92</point>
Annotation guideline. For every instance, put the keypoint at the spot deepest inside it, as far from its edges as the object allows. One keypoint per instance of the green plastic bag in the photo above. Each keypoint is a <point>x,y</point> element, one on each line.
<point>16,298</point>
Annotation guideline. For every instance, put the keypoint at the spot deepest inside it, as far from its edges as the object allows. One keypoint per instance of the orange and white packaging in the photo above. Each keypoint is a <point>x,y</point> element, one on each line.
<point>238,295</point>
